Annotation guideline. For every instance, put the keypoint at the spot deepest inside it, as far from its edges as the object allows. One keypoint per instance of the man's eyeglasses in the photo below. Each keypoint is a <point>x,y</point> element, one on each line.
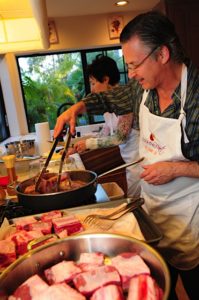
<point>134,67</point>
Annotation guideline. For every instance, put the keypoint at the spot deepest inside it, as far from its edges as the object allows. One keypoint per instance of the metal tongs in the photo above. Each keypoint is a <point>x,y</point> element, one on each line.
<point>43,171</point>
<point>66,146</point>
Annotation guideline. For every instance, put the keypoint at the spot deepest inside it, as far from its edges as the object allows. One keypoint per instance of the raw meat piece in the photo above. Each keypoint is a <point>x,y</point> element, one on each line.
<point>48,216</point>
<point>144,287</point>
<point>128,265</point>
<point>22,222</point>
<point>70,223</point>
<point>44,227</point>
<point>109,292</point>
<point>60,291</point>
<point>30,288</point>
<point>63,271</point>
<point>90,261</point>
<point>96,258</point>
<point>62,234</point>
<point>7,253</point>
<point>22,238</point>
<point>88,282</point>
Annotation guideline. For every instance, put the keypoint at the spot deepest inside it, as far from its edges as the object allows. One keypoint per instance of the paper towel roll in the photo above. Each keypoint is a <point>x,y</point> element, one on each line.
<point>43,137</point>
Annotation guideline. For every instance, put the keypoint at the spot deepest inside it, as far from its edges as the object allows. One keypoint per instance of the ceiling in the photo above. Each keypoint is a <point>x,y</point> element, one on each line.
<point>24,23</point>
<point>63,8</point>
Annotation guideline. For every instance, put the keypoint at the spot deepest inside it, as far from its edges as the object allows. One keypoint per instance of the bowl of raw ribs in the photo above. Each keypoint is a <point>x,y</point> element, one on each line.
<point>96,266</point>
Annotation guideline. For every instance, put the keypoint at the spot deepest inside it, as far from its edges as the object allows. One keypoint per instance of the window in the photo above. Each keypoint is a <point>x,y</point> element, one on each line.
<point>51,79</point>
<point>4,130</point>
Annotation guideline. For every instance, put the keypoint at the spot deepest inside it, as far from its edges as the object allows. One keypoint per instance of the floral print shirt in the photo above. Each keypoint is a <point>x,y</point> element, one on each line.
<point>119,136</point>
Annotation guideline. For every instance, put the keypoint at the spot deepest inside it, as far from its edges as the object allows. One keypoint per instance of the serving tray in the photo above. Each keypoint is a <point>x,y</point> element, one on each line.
<point>149,229</point>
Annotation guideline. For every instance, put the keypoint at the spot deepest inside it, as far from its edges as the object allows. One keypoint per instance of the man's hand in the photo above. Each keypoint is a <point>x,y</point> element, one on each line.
<point>165,171</point>
<point>159,173</point>
<point>69,117</point>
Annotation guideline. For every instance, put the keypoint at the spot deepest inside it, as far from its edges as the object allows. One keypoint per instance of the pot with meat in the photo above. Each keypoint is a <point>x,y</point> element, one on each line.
<point>76,188</point>
<point>89,266</point>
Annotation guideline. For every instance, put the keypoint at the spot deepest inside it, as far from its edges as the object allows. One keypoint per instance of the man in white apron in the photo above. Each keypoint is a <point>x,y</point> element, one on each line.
<point>170,184</point>
<point>163,94</point>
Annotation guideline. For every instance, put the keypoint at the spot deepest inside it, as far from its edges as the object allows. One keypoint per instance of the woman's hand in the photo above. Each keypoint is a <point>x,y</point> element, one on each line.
<point>80,146</point>
<point>70,151</point>
<point>69,117</point>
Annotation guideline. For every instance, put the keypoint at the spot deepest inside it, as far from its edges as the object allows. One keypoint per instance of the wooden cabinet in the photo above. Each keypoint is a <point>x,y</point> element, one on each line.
<point>102,160</point>
<point>185,15</point>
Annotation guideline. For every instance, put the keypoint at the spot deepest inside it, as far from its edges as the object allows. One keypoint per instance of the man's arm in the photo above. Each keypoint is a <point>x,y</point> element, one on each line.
<point>163,172</point>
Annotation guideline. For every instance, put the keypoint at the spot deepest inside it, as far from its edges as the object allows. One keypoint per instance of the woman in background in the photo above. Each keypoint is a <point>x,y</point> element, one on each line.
<point>117,130</point>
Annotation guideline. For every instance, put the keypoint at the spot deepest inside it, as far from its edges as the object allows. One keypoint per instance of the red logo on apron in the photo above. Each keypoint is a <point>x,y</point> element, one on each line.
<point>152,137</point>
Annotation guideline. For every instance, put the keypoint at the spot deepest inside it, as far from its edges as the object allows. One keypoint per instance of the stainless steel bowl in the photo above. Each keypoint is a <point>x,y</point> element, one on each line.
<point>21,148</point>
<point>70,248</point>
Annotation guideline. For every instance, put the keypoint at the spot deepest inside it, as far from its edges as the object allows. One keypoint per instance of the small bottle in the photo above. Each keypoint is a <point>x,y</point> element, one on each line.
<point>9,161</point>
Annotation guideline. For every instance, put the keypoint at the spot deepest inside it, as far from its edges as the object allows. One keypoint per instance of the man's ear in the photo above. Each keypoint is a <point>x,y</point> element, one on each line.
<point>164,54</point>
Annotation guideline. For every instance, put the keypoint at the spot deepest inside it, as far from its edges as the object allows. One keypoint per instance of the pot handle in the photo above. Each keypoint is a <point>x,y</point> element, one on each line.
<point>38,242</point>
<point>122,166</point>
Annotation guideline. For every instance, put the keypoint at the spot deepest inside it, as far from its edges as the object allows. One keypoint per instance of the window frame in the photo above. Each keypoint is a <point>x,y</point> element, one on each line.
<point>83,55</point>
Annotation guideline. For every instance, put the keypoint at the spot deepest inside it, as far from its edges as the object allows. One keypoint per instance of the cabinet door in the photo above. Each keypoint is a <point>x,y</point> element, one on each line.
<point>184,14</point>
<point>105,159</point>
<point>102,160</point>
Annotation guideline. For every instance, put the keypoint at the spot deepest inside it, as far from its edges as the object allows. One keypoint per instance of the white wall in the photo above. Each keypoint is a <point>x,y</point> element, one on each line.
<point>12,95</point>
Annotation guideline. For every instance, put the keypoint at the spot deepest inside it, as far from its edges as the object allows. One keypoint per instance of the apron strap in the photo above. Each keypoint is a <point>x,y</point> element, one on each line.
<point>183,93</point>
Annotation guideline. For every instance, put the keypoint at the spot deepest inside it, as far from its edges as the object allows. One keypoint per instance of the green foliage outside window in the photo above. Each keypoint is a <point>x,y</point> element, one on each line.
<point>48,81</point>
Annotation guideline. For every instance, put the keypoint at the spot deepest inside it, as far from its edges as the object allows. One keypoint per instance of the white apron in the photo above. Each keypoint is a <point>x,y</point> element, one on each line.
<point>129,152</point>
<point>173,206</point>
<point>111,121</point>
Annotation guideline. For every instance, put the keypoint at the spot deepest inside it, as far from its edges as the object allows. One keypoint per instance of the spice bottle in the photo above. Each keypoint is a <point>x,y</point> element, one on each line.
<point>9,161</point>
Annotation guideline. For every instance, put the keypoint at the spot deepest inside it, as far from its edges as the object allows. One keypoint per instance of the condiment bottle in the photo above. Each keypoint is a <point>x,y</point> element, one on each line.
<point>9,161</point>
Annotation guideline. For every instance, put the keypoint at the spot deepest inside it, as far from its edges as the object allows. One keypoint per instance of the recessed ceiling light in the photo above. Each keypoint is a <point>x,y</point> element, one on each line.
<point>121,3</point>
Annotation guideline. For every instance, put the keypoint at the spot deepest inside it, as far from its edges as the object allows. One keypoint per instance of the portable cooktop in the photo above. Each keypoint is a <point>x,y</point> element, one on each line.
<point>14,210</point>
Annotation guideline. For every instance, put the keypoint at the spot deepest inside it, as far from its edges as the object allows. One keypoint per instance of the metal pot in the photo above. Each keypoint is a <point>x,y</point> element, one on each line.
<point>70,248</point>
<point>59,200</point>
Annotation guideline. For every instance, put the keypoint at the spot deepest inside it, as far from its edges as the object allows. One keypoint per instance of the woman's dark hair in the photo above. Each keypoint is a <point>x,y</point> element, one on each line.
<point>155,29</point>
<point>104,66</point>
